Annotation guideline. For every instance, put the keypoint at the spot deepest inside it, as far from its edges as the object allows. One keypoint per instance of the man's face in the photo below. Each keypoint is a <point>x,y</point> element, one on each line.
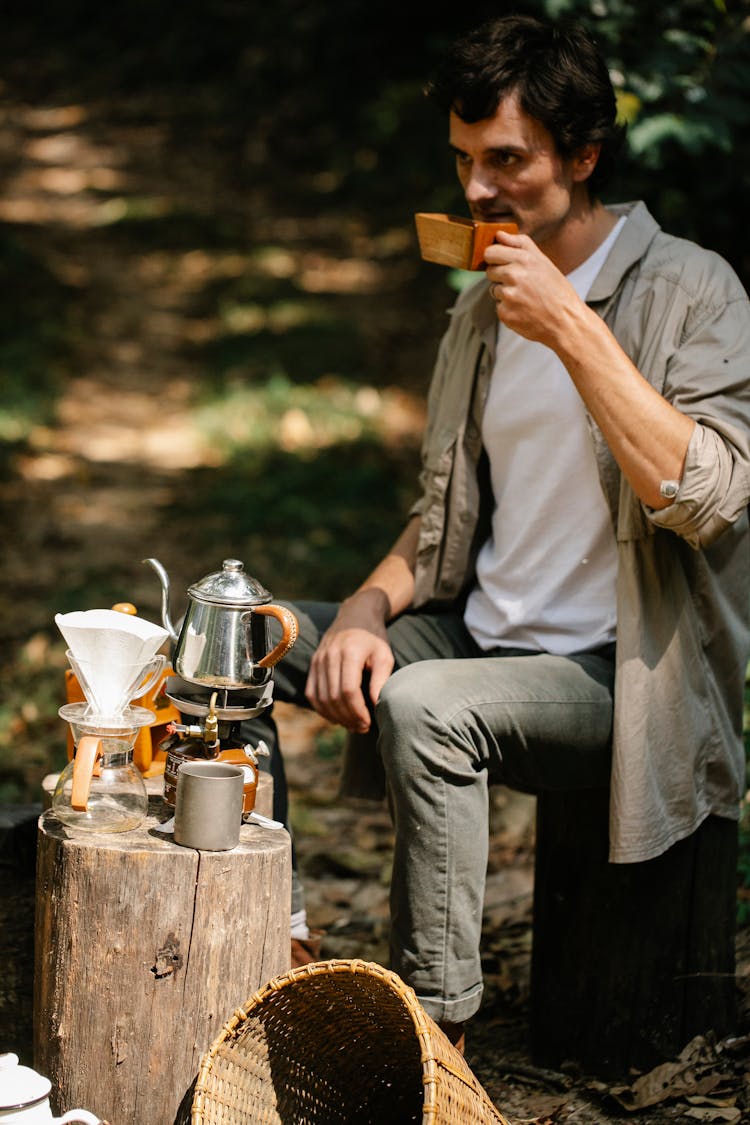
<point>511,171</point>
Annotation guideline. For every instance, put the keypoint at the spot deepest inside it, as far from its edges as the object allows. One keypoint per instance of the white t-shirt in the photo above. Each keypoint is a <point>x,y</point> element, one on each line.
<point>546,576</point>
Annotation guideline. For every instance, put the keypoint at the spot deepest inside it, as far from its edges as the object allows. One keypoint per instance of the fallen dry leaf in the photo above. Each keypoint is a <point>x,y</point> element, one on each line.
<point>727,1102</point>
<point>713,1114</point>
<point>694,1072</point>
<point>555,1118</point>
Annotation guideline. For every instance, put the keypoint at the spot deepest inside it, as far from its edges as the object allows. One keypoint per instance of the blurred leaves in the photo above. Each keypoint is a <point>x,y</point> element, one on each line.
<point>33,327</point>
<point>32,693</point>
<point>682,71</point>
<point>306,523</point>
<point>647,136</point>
<point>299,418</point>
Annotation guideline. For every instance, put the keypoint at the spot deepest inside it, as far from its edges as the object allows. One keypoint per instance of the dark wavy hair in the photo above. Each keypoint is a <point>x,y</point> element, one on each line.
<point>555,69</point>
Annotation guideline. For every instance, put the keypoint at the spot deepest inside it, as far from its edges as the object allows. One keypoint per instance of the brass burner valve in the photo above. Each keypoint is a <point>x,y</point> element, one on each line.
<point>209,731</point>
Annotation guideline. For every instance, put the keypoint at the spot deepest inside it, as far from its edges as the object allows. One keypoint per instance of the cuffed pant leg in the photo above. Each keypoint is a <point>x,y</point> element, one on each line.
<point>448,728</point>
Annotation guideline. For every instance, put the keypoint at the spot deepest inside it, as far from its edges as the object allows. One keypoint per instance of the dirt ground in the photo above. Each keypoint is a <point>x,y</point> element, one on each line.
<point>93,487</point>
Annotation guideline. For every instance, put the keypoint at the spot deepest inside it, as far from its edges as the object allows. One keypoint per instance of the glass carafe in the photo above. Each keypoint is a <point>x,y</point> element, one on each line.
<point>101,789</point>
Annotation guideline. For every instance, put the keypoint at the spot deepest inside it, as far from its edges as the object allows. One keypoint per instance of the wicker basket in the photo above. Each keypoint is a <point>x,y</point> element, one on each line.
<point>335,1042</point>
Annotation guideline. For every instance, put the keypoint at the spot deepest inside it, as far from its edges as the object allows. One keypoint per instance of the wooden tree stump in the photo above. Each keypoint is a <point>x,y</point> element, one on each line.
<point>143,950</point>
<point>630,961</point>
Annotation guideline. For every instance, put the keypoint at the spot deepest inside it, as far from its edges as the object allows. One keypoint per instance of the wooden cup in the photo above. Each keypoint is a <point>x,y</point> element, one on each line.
<point>453,241</point>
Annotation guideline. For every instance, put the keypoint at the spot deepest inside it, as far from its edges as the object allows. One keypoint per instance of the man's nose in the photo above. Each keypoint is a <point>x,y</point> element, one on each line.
<point>479,186</point>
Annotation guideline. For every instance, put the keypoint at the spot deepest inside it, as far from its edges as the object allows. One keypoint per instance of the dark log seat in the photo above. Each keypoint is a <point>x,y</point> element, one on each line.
<point>629,961</point>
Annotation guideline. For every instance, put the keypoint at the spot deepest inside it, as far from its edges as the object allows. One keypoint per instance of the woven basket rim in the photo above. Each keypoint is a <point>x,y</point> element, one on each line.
<point>436,1051</point>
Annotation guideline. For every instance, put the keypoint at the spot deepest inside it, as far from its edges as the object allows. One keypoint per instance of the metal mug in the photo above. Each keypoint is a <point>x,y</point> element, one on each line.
<point>208,805</point>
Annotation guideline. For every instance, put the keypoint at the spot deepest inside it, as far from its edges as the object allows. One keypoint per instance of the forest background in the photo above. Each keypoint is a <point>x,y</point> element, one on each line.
<point>215,331</point>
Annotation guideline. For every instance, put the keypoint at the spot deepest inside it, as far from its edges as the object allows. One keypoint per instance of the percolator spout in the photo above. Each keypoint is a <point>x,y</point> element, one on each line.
<point>166,620</point>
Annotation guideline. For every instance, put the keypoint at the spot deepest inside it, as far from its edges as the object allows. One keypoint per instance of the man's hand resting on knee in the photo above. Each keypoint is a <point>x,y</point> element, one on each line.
<point>355,644</point>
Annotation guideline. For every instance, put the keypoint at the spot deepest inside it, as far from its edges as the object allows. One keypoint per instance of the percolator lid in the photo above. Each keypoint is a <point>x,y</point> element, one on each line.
<point>230,586</point>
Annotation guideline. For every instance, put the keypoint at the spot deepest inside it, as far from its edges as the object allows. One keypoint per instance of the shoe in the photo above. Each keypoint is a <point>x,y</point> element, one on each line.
<point>306,950</point>
<point>455,1034</point>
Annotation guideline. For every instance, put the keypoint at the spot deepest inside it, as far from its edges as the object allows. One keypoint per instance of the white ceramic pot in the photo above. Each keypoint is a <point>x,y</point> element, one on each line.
<point>24,1098</point>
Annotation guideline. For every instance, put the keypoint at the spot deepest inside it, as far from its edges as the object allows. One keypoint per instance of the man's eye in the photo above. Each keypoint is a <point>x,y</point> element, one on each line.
<point>504,159</point>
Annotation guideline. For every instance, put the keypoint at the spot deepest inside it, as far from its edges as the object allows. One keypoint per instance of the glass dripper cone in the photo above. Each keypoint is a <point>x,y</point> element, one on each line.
<point>109,686</point>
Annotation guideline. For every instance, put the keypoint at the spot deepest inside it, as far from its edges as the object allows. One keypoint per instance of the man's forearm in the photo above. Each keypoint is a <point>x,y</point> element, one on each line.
<point>648,437</point>
<point>389,589</point>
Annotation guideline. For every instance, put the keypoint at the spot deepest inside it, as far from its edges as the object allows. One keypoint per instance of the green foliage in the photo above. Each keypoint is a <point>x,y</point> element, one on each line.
<point>33,340</point>
<point>32,738</point>
<point>303,349</point>
<point>324,103</point>
<point>278,412</point>
<point>682,71</point>
<point>309,525</point>
<point>329,743</point>
<point>743,870</point>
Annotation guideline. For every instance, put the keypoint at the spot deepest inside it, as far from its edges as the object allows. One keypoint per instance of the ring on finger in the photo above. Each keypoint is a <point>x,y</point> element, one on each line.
<point>493,291</point>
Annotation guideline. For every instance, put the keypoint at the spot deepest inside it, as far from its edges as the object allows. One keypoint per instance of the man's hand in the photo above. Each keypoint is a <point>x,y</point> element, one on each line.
<point>531,295</point>
<point>355,643</point>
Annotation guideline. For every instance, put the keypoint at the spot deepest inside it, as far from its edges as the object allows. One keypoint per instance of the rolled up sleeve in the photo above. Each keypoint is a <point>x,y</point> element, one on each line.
<point>713,492</point>
<point>708,379</point>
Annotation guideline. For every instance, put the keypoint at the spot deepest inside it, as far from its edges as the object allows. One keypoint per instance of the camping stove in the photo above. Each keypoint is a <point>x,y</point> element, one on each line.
<point>211,731</point>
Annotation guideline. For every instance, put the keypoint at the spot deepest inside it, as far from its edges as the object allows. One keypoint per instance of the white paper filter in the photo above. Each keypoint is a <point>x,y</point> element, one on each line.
<point>111,648</point>
<point>107,635</point>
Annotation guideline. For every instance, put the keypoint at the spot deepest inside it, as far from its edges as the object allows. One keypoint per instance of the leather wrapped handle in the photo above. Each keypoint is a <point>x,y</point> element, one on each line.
<point>87,751</point>
<point>289,634</point>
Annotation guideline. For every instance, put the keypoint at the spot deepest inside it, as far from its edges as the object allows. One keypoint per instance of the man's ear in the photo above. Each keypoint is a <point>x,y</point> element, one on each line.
<point>585,160</point>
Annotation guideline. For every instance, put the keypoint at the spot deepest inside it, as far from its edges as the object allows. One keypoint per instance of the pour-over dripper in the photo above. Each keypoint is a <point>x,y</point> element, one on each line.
<point>109,686</point>
<point>107,636</point>
<point>102,790</point>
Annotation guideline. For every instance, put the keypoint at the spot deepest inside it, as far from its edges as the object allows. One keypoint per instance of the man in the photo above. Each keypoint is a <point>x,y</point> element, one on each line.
<point>568,604</point>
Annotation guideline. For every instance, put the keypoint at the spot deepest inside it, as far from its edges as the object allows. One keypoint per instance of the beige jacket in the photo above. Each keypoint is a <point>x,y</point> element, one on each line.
<point>683,591</point>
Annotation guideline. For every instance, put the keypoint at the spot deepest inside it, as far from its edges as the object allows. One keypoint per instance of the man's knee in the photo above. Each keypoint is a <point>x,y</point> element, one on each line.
<point>398,714</point>
<point>407,694</point>
<point>407,716</point>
